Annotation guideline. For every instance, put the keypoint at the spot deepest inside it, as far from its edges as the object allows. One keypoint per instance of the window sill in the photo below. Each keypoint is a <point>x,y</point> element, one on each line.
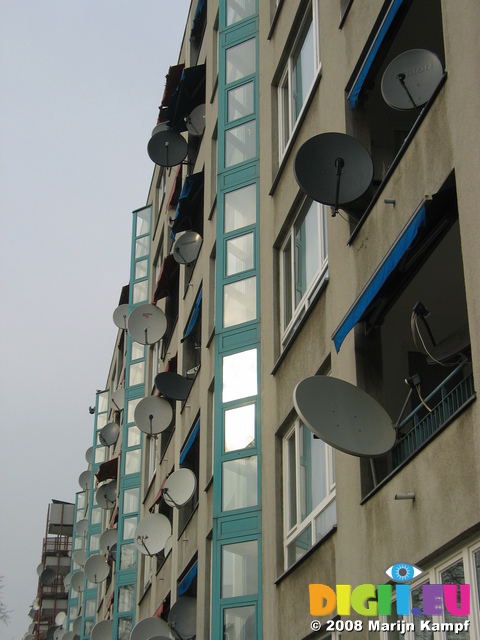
<point>275,19</point>
<point>306,555</point>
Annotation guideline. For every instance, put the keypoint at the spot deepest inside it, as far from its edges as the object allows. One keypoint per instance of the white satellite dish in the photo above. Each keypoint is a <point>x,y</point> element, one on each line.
<point>107,494</point>
<point>89,455</point>
<point>81,527</point>
<point>39,569</point>
<point>77,626</point>
<point>453,345</point>
<point>182,618</point>
<point>117,399</point>
<point>109,434</point>
<point>48,577</point>
<point>70,635</point>
<point>112,552</point>
<point>51,632</point>
<point>187,247</point>
<point>78,581</point>
<point>31,627</point>
<point>147,324</point>
<point>85,480</point>
<point>151,533</point>
<point>79,557</point>
<point>196,121</point>
<point>120,316</point>
<point>108,539</point>
<point>103,630</point>
<point>96,568</point>
<point>153,415</point>
<point>36,604</point>
<point>179,488</point>
<point>168,546</point>
<point>60,618</point>
<point>66,580</point>
<point>59,633</point>
<point>344,416</point>
<point>150,628</point>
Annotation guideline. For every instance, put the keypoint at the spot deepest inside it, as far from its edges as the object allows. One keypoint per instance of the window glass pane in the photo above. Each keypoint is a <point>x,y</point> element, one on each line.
<point>142,246</point>
<point>240,102</point>
<point>102,402</point>
<point>132,461</point>
<point>239,254</point>
<point>455,575</point>
<point>90,608</point>
<point>285,111</point>
<point>287,282</point>
<point>140,291</point>
<point>240,143</point>
<point>141,269</point>
<point>239,569</point>
<point>129,526</point>
<point>417,601</point>
<point>239,10</point>
<point>143,222</point>
<point>89,624</point>
<point>477,568</point>
<point>137,352</point>
<point>291,481</point>
<point>307,250</point>
<point>239,483</point>
<point>240,208</point>
<point>81,500</point>
<point>136,373</point>
<point>124,628</point>
<point>131,500</point>
<point>240,61</point>
<point>239,623</point>
<point>126,598</point>
<point>313,477</point>
<point>100,453</point>
<point>239,375</point>
<point>240,302</point>
<point>240,428</point>
<point>134,436</point>
<point>299,546</point>
<point>303,71</point>
<point>101,421</point>
<point>132,404</point>
<point>326,520</point>
<point>96,517</point>
<point>94,542</point>
<point>128,556</point>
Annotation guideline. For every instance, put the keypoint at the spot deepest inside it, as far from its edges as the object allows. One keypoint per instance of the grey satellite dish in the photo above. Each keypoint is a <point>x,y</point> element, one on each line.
<point>150,628</point>
<point>85,480</point>
<point>36,604</point>
<point>182,618</point>
<point>151,533</point>
<point>59,633</point>
<point>120,316</point>
<point>70,635</point>
<point>153,415</point>
<point>78,581</point>
<point>108,539</point>
<point>147,324</point>
<point>179,488</point>
<point>172,385</point>
<point>103,630</point>
<point>89,455</point>
<point>168,546</point>
<point>187,247</point>
<point>334,169</point>
<point>48,577</point>
<point>196,121</point>
<point>117,399</point>
<point>109,434</point>
<point>344,416</point>
<point>96,568</point>
<point>81,527</point>
<point>112,552</point>
<point>66,580</point>
<point>411,78</point>
<point>28,636</point>
<point>77,626</point>
<point>107,494</point>
<point>51,632</point>
<point>31,627</point>
<point>79,557</point>
<point>452,346</point>
<point>166,148</point>
<point>39,569</point>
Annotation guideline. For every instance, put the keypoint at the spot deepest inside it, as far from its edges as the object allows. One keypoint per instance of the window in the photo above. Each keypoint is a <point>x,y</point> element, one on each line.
<point>309,491</point>
<point>304,263</point>
<point>299,75</point>
<point>190,459</point>
<point>151,459</point>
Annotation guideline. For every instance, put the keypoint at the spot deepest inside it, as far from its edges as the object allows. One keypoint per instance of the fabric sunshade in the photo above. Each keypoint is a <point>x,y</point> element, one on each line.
<point>189,442</point>
<point>108,470</point>
<point>190,203</point>
<point>167,280</point>
<point>193,317</point>
<point>188,579</point>
<point>190,93</point>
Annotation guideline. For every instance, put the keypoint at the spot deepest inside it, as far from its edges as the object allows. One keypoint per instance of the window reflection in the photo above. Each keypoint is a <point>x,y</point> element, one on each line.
<point>240,302</point>
<point>239,483</point>
<point>240,61</point>
<point>240,428</point>
<point>240,208</point>
<point>239,375</point>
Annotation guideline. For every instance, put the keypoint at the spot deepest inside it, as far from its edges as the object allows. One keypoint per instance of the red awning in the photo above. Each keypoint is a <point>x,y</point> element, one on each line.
<point>176,190</point>
<point>108,470</point>
<point>167,280</point>
<point>171,83</point>
<point>172,364</point>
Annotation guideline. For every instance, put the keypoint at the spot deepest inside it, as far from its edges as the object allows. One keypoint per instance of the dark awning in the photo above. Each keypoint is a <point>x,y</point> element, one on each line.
<point>171,83</point>
<point>193,317</point>
<point>199,20</point>
<point>187,580</point>
<point>190,93</point>
<point>191,439</point>
<point>190,203</point>
<point>172,364</point>
<point>167,280</point>
<point>108,470</point>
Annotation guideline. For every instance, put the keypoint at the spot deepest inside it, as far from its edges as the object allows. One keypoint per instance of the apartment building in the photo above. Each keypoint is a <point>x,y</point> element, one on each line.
<point>273,285</point>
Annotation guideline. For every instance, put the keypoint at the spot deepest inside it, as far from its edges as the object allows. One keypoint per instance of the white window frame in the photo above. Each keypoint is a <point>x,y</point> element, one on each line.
<point>287,122</point>
<point>318,281</point>
<point>433,576</point>
<point>151,460</point>
<point>290,534</point>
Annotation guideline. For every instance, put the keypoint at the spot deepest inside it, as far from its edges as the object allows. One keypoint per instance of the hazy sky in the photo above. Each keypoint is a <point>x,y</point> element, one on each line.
<point>80,83</point>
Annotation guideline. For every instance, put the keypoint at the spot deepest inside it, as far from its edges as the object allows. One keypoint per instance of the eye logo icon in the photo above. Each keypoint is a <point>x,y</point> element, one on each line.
<point>403,572</point>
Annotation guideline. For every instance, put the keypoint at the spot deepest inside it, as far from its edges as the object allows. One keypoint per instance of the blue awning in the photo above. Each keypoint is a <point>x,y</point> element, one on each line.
<point>190,203</point>
<point>199,20</point>
<point>189,442</point>
<point>188,579</point>
<point>373,286</point>
<point>194,317</point>
<point>372,52</point>
<point>190,93</point>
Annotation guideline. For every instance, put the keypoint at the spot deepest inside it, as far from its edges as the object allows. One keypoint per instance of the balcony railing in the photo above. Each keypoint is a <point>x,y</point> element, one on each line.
<point>452,396</point>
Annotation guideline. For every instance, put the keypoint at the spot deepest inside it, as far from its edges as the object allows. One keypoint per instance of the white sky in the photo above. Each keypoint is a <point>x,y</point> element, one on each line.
<point>80,83</point>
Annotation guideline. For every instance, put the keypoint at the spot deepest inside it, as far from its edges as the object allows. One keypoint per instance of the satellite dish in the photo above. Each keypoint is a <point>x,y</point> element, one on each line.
<point>59,633</point>
<point>182,618</point>
<point>168,546</point>
<point>79,557</point>
<point>85,480</point>
<point>187,247</point>
<point>103,630</point>
<point>81,527</point>
<point>411,78</point>
<point>344,416</point>
<point>51,632</point>
<point>48,577</point>
<point>31,627</point>
<point>179,488</point>
<point>117,399</point>
<point>108,539</point>
<point>77,626</point>
<point>39,569</point>
<point>334,169</point>
<point>70,635</point>
<point>36,604</point>
<point>147,324</point>
<point>149,628</point>
<point>66,580</point>
<point>113,552</point>
<point>151,533</point>
<point>196,121</point>
<point>153,415</point>
<point>96,568</point>
<point>172,385</point>
<point>78,581</point>
<point>109,434</point>
<point>166,148</point>
<point>107,494</point>
<point>453,345</point>
<point>120,316</point>
<point>89,455</point>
